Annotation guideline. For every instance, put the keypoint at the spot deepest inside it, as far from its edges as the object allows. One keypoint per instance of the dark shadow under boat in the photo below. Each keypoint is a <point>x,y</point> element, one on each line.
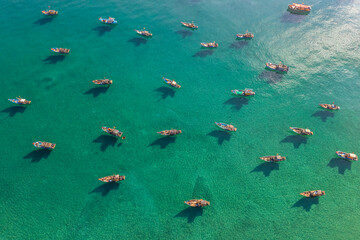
<point>266,168</point>
<point>101,30</point>
<point>324,115</point>
<point>163,142</point>
<point>43,21</point>
<point>341,164</point>
<point>137,41</point>
<point>12,111</point>
<point>97,91</point>
<point>239,44</point>
<point>288,17</point>
<point>53,59</point>
<point>220,135</point>
<point>306,203</point>
<point>237,102</point>
<point>37,155</point>
<point>106,141</point>
<point>166,92</point>
<point>190,213</point>
<point>185,33</point>
<point>296,140</point>
<point>105,188</point>
<point>271,77</point>
<point>204,53</point>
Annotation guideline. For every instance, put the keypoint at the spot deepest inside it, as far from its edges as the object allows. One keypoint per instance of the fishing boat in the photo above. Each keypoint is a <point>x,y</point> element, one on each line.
<point>171,83</point>
<point>144,33</point>
<point>44,145</point>
<point>299,8</point>
<point>171,132</point>
<point>349,156</point>
<point>277,67</point>
<point>20,101</point>
<point>225,126</point>
<point>61,50</point>
<point>210,45</point>
<point>49,12</point>
<point>103,82</point>
<point>330,106</point>
<point>276,158</point>
<point>113,178</point>
<point>113,132</point>
<point>247,35</point>
<point>302,131</point>
<point>197,203</point>
<point>314,193</point>
<point>246,92</point>
<point>110,20</point>
<point>190,25</point>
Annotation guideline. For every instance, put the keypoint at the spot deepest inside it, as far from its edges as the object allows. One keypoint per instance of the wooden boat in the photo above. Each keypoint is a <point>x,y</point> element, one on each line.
<point>113,132</point>
<point>276,158</point>
<point>314,193</point>
<point>49,12</point>
<point>171,83</point>
<point>190,25</point>
<point>144,33</point>
<point>110,20</point>
<point>246,92</point>
<point>349,156</point>
<point>299,8</point>
<point>197,203</point>
<point>171,132</point>
<point>227,127</point>
<point>113,178</point>
<point>103,82</point>
<point>61,50</point>
<point>247,35</point>
<point>302,131</point>
<point>44,145</point>
<point>20,101</point>
<point>210,45</point>
<point>330,106</point>
<point>277,67</point>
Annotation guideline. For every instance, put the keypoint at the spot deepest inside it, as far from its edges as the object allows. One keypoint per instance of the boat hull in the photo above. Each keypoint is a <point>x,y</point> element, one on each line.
<point>17,101</point>
<point>299,131</point>
<point>314,193</point>
<point>329,106</point>
<point>273,158</point>
<point>206,45</point>
<point>345,155</point>
<point>224,126</point>
<point>196,203</point>
<point>170,82</point>
<point>273,67</point>
<point>44,145</point>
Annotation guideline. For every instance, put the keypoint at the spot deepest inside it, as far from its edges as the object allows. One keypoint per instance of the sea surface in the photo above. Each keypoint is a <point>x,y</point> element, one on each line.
<point>57,195</point>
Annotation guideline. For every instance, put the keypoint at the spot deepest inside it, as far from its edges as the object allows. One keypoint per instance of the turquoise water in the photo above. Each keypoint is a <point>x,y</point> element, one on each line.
<point>57,195</point>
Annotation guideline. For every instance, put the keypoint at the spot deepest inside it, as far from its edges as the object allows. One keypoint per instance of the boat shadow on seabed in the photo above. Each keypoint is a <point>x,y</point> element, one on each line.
<point>184,33</point>
<point>105,188</point>
<point>220,135</point>
<point>166,92</point>
<point>53,59</point>
<point>44,21</point>
<point>138,41</point>
<point>342,164</point>
<point>204,53</point>
<point>37,155</point>
<point>237,102</point>
<point>96,91</point>
<point>101,30</point>
<point>12,111</point>
<point>323,115</point>
<point>106,141</point>
<point>266,168</point>
<point>163,142</point>
<point>271,77</point>
<point>296,140</point>
<point>288,17</point>
<point>306,203</point>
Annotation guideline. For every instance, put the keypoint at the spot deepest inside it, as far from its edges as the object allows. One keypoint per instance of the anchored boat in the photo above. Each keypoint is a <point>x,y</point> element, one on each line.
<point>247,35</point>
<point>277,67</point>
<point>276,158</point>
<point>302,131</point>
<point>44,145</point>
<point>225,126</point>
<point>144,33</point>
<point>61,50</point>
<point>49,12</point>
<point>103,82</point>
<point>113,178</point>
<point>190,25</point>
<point>171,132</point>
<point>349,156</point>
<point>171,83</point>
<point>246,92</point>
<point>113,132</point>
<point>197,203</point>
<point>314,193</point>
<point>210,45</point>
<point>299,8</point>
<point>20,101</point>
<point>330,106</point>
<point>110,20</point>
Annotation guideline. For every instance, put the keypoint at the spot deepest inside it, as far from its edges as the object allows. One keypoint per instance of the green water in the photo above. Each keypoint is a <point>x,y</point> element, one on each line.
<point>58,196</point>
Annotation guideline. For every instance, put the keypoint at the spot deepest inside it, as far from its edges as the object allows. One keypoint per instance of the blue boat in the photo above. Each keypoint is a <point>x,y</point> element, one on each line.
<point>349,156</point>
<point>110,20</point>
<point>20,101</point>
<point>44,145</point>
